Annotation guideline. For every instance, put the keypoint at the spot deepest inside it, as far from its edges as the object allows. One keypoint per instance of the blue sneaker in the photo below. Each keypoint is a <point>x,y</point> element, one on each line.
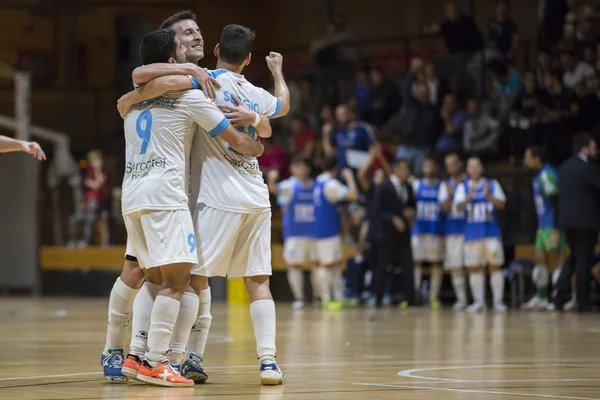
<point>270,374</point>
<point>192,368</point>
<point>112,363</point>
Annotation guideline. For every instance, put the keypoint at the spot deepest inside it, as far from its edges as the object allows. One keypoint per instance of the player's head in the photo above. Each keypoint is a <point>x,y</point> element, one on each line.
<point>474,168</point>
<point>300,167</point>
<point>429,167</point>
<point>586,146</point>
<point>95,159</point>
<point>330,163</point>
<point>344,115</point>
<point>185,26</point>
<point>401,168</point>
<point>161,46</point>
<point>235,45</point>
<point>454,164</point>
<point>534,158</point>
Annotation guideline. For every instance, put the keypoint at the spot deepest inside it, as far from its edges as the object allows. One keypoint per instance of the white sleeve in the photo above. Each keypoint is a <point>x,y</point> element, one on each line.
<point>335,191</point>
<point>284,192</point>
<point>416,183</point>
<point>459,194</point>
<point>497,191</point>
<point>443,192</point>
<point>269,104</point>
<point>205,113</point>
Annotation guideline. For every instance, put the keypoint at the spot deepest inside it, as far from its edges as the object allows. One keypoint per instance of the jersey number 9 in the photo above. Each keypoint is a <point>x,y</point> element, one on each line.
<point>143,127</point>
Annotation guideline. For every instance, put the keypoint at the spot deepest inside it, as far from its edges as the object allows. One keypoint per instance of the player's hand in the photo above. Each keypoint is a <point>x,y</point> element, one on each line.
<point>347,174</point>
<point>274,62</point>
<point>239,114</point>
<point>471,193</point>
<point>487,190</point>
<point>399,224</point>
<point>124,105</point>
<point>375,150</point>
<point>207,83</point>
<point>34,149</point>
<point>273,175</point>
<point>554,238</point>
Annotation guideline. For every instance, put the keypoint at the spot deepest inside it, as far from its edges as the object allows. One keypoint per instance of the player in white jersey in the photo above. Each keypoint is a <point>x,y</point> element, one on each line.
<point>232,198</point>
<point>158,137</point>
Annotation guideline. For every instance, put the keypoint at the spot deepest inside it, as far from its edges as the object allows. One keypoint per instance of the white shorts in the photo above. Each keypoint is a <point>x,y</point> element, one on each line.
<point>453,256</point>
<point>232,244</point>
<point>426,248</point>
<point>129,249</point>
<point>482,252</point>
<point>299,251</point>
<point>329,250</point>
<point>161,237</point>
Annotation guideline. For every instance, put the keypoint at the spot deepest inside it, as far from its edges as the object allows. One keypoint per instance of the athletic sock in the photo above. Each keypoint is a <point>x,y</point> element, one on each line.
<point>200,329</point>
<point>120,306</point>
<point>188,312</point>
<point>324,276</point>
<point>140,322</point>
<point>418,280</point>
<point>477,283</point>
<point>458,283</point>
<point>336,283</point>
<point>436,282</point>
<point>262,313</point>
<point>162,322</point>
<point>296,280</point>
<point>497,284</point>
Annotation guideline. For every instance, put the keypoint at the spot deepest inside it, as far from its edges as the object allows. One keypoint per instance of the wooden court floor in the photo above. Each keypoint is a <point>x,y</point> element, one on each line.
<point>50,349</point>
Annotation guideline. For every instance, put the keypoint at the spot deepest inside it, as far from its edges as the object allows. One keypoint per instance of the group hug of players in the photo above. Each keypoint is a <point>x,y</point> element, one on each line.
<point>455,228</point>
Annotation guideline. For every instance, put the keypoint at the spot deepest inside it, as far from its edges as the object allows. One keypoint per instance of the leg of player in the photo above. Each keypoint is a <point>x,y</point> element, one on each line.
<point>323,276</point>
<point>295,276</point>
<point>336,283</point>
<point>140,322</point>
<point>198,335</point>
<point>314,282</point>
<point>436,285</point>
<point>497,284</point>
<point>477,283</point>
<point>156,369</point>
<point>418,278</point>
<point>188,312</point>
<point>120,306</point>
<point>262,312</point>
<point>541,279</point>
<point>460,289</point>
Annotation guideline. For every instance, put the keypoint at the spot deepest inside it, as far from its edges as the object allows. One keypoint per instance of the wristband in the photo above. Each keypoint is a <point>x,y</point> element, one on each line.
<point>256,120</point>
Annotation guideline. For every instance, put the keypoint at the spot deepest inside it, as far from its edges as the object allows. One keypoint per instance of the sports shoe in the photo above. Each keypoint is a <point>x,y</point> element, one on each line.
<point>571,305</point>
<point>434,304</point>
<point>458,306</point>
<point>477,306</point>
<point>532,304</point>
<point>112,364</point>
<point>297,305</point>
<point>334,305</point>
<point>270,374</point>
<point>162,374</point>
<point>386,301</point>
<point>499,306</point>
<point>192,368</point>
<point>132,366</point>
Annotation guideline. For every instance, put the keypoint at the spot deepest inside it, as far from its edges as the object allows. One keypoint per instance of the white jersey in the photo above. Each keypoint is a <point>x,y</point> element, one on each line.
<point>222,178</point>
<point>158,136</point>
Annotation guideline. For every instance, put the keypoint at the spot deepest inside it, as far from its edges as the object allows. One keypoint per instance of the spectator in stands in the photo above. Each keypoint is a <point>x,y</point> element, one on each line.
<point>575,70</point>
<point>97,196</point>
<point>304,138</point>
<point>418,124</point>
<point>525,116</point>
<point>589,56</point>
<point>437,88</point>
<point>502,34</point>
<point>360,97</point>
<point>350,135</point>
<point>481,132</point>
<point>577,21</point>
<point>508,81</point>
<point>454,119</point>
<point>459,31</point>
<point>274,157</point>
<point>384,99</point>
<point>586,96</point>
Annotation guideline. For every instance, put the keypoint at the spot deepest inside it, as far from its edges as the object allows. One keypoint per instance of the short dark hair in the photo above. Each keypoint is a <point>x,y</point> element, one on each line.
<point>236,44</point>
<point>178,17</point>
<point>157,46</point>
<point>582,141</point>
<point>537,152</point>
<point>455,153</point>
<point>430,157</point>
<point>330,162</point>
<point>399,161</point>
<point>298,159</point>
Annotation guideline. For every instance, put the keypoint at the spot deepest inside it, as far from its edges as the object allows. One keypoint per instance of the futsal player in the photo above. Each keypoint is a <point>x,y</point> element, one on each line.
<point>549,240</point>
<point>482,198</point>
<point>454,229</point>
<point>295,196</point>
<point>427,228</point>
<point>9,145</point>
<point>328,193</point>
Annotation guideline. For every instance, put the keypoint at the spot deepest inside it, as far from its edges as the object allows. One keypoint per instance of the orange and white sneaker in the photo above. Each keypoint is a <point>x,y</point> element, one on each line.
<point>131,366</point>
<point>162,374</point>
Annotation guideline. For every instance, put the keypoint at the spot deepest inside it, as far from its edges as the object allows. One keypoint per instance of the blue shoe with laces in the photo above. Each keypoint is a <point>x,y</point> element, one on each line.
<point>112,364</point>
<point>192,368</point>
<point>270,374</point>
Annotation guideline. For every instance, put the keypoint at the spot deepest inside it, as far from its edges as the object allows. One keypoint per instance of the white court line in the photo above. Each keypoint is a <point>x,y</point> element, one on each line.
<point>546,396</point>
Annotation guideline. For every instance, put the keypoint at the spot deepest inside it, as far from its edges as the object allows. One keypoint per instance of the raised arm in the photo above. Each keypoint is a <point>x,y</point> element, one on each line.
<point>495,194</point>
<point>275,64</point>
<point>8,145</point>
<point>146,73</point>
<point>353,189</point>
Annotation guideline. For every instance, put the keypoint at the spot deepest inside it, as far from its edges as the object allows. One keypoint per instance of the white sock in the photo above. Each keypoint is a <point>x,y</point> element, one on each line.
<point>162,322</point>
<point>418,275</point>
<point>458,283</point>
<point>140,322</point>
<point>336,283</point>
<point>120,306</point>
<point>477,283</point>
<point>183,327</point>
<point>497,284</point>
<point>436,282</point>
<point>199,333</point>
<point>296,280</point>
<point>324,276</point>
<point>262,313</point>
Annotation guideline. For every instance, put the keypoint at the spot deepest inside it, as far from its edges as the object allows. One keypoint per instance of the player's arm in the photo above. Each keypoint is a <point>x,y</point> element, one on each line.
<point>444,197</point>
<point>549,183</point>
<point>241,142</point>
<point>8,145</point>
<point>272,178</point>
<point>461,199</point>
<point>275,64</point>
<point>155,88</point>
<point>146,73</point>
<point>363,170</point>
<point>495,195</point>
<point>352,194</point>
<point>242,115</point>
<point>410,210</point>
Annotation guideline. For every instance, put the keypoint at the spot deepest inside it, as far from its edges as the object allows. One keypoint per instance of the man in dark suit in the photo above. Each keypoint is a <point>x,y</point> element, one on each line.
<point>579,216</point>
<point>395,210</point>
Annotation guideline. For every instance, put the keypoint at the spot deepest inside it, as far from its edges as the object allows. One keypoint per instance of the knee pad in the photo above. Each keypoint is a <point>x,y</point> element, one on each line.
<point>540,276</point>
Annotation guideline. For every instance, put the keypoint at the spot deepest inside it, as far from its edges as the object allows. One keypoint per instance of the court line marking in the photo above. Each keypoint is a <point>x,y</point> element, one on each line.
<point>475,391</point>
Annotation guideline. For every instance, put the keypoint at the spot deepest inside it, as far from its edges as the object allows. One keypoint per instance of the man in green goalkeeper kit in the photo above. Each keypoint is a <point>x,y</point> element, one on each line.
<point>549,240</point>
